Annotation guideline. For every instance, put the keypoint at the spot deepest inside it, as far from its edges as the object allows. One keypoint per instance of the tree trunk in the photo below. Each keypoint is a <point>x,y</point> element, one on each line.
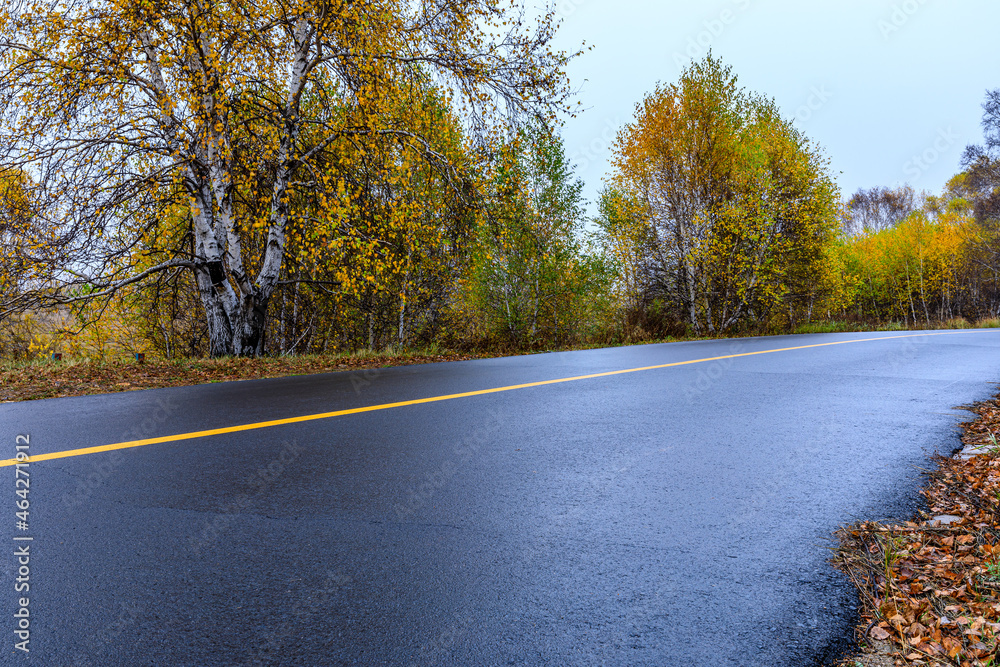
<point>371,328</point>
<point>237,317</point>
<point>239,333</point>
<point>248,332</point>
<point>220,333</point>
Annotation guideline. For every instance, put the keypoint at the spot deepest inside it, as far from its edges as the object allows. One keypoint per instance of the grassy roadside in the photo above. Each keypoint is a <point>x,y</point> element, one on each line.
<point>45,378</point>
<point>27,381</point>
<point>837,326</point>
<point>930,588</point>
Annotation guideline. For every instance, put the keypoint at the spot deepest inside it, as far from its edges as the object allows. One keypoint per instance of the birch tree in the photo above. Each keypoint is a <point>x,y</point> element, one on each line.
<point>123,110</point>
<point>532,279</point>
<point>739,204</point>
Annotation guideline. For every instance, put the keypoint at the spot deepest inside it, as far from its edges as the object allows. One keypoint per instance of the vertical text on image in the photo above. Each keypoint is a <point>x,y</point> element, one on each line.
<point>22,546</point>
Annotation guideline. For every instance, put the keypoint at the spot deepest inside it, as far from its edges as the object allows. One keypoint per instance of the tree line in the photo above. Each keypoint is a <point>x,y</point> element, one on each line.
<point>720,216</point>
<point>292,177</point>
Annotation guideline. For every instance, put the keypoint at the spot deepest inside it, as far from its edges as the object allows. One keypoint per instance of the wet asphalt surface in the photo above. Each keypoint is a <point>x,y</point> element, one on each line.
<point>680,516</point>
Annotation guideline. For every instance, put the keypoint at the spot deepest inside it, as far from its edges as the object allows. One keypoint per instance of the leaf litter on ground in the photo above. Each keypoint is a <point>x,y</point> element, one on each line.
<point>930,589</point>
<point>51,379</point>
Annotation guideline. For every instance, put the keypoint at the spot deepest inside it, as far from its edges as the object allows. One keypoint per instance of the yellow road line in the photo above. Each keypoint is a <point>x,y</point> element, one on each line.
<point>434,399</point>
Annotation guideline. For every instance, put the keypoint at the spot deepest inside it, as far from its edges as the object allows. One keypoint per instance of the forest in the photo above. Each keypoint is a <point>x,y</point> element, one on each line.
<point>188,180</point>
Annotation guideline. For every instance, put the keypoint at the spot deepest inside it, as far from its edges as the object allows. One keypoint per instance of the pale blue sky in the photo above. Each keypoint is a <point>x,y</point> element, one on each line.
<point>891,89</point>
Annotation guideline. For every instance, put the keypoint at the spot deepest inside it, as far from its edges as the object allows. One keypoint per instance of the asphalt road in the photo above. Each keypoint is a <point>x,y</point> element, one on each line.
<point>671,516</point>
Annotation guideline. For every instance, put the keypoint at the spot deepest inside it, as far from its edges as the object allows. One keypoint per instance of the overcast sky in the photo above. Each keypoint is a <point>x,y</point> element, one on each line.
<point>891,90</point>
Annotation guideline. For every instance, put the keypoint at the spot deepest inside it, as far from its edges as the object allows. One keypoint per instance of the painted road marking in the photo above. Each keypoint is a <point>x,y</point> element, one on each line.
<point>434,399</point>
